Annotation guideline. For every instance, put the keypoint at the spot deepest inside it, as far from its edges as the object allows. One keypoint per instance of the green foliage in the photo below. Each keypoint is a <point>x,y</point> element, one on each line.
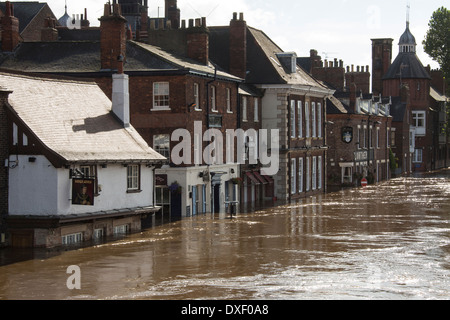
<point>437,39</point>
<point>392,161</point>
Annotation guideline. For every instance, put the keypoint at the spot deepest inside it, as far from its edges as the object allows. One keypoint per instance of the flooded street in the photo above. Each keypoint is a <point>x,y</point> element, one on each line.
<point>389,241</point>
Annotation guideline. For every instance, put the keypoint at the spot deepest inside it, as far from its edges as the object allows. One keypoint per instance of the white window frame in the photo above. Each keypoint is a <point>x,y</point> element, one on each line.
<point>300,119</point>
<point>418,156</point>
<point>319,120</point>
<point>307,120</point>
<point>292,116</point>
<point>133,177</point>
<point>72,238</point>
<point>122,229</point>
<point>313,119</point>
<point>228,97</point>
<point>293,176</point>
<point>314,173</point>
<point>300,175</point>
<point>244,109</point>
<point>213,99</point>
<point>308,174</point>
<point>197,97</point>
<point>419,116</point>
<point>319,172</point>
<point>256,109</point>
<point>160,90</point>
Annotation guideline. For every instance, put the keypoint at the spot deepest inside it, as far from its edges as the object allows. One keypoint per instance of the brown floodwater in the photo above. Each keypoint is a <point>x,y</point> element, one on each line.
<point>387,241</point>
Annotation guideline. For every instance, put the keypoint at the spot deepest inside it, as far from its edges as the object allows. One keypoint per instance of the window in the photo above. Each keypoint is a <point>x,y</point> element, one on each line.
<point>90,172</point>
<point>300,119</point>
<point>418,156</point>
<point>229,100</point>
<point>197,97</point>
<point>98,234</point>
<point>419,122</point>
<point>256,108</point>
<point>72,238</point>
<point>308,174</point>
<point>319,172</point>
<point>161,144</point>
<point>133,177</point>
<point>359,137</point>
<point>314,173</point>
<point>293,176</point>
<point>378,138</point>
<point>307,120</point>
<point>393,137</point>
<point>244,108</point>
<point>120,230</point>
<point>319,120</point>
<point>161,96</point>
<point>313,119</point>
<point>293,109</point>
<point>15,134</point>
<point>300,175</point>
<point>213,99</point>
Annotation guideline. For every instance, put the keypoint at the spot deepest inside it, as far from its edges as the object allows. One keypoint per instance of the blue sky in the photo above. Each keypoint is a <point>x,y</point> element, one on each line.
<point>339,29</point>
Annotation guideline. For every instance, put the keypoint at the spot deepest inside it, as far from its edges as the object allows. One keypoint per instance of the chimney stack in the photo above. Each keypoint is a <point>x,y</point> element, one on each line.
<point>49,32</point>
<point>238,46</point>
<point>197,41</point>
<point>10,29</point>
<point>120,94</point>
<point>113,37</point>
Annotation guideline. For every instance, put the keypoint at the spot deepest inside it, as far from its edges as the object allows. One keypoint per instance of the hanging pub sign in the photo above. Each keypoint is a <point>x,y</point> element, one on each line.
<point>161,180</point>
<point>347,134</point>
<point>83,192</point>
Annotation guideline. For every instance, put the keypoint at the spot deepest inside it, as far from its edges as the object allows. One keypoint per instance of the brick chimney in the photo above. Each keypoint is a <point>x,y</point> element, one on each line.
<point>173,13</point>
<point>10,29</point>
<point>113,37</point>
<point>381,61</point>
<point>49,32</point>
<point>197,41</point>
<point>238,46</point>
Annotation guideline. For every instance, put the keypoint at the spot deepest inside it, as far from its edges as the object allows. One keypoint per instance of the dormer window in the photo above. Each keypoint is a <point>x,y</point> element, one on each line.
<point>288,61</point>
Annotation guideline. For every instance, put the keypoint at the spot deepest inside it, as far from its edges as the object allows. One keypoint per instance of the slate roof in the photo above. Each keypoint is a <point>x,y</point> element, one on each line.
<point>74,120</point>
<point>262,61</point>
<point>25,11</point>
<point>84,56</point>
<point>410,66</point>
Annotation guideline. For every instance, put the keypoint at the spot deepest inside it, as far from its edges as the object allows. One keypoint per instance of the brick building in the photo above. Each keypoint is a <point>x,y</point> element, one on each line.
<point>359,123</point>
<point>430,146</point>
<point>293,103</point>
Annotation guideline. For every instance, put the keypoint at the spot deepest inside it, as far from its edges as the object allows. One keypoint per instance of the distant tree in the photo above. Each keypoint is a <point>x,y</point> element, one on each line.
<point>437,39</point>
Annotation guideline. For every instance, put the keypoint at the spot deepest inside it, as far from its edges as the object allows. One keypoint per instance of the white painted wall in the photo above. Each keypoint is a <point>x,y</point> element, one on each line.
<point>40,189</point>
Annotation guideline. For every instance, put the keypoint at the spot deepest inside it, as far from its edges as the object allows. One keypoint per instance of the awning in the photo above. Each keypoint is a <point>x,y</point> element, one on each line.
<point>252,178</point>
<point>269,179</point>
<point>260,178</point>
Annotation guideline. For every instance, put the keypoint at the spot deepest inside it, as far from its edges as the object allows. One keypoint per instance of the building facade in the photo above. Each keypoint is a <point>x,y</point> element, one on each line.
<point>76,172</point>
<point>293,104</point>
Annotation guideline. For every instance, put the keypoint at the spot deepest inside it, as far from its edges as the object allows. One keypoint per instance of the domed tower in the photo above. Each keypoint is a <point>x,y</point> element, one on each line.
<point>407,74</point>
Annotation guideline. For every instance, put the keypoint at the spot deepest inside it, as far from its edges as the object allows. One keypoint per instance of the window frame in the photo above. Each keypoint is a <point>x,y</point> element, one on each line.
<point>133,178</point>
<point>157,93</point>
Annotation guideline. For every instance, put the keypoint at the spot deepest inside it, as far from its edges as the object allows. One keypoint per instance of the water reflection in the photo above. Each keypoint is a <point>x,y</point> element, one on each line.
<point>386,241</point>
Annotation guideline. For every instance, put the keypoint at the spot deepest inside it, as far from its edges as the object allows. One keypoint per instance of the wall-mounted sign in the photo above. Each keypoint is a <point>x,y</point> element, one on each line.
<point>83,192</point>
<point>347,134</point>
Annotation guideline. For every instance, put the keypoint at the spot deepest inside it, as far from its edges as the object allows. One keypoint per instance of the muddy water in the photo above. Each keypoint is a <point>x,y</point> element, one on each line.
<point>389,241</point>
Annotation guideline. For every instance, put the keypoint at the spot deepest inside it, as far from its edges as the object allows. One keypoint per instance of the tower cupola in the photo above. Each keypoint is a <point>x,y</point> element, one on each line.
<point>407,41</point>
